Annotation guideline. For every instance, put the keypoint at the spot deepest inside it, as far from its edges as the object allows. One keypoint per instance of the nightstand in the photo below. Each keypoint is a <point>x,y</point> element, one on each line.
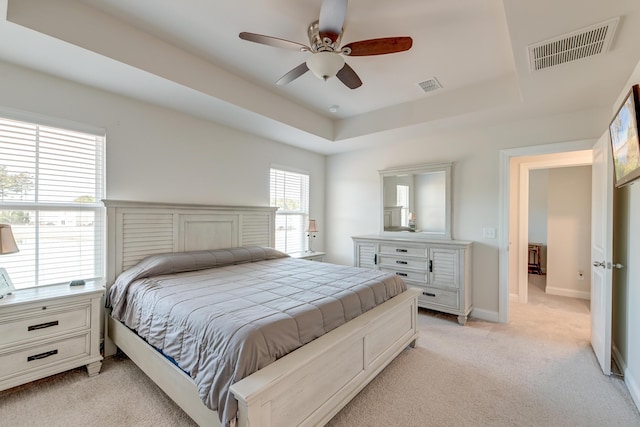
<point>48,330</point>
<point>311,256</point>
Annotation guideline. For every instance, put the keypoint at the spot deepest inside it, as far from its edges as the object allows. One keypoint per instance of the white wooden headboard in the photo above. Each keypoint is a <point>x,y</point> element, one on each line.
<point>136,230</point>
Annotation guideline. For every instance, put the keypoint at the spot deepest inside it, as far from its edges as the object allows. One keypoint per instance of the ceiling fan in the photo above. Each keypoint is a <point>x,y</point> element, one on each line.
<point>327,57</point>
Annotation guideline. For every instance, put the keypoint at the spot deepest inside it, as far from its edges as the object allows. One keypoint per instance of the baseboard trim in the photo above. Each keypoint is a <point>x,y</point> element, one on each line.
<point>629,378</point>
<point>633,386</point>
<point>487,315</point>
<point>572,293</point>
<point>618,359</point>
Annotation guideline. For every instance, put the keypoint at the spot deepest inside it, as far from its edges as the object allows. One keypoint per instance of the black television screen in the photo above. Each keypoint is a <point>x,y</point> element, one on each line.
<point>625,144</point>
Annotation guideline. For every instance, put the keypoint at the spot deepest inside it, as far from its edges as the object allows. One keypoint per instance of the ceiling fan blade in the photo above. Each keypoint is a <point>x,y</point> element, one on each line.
<point>332,14</point>
<point>349,77</point>
<point>273,41</point>
<point>379,46</point>
<point>293,74</point>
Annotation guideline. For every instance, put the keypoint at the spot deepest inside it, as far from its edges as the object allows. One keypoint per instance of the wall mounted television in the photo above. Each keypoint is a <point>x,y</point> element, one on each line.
<point>625,143</point>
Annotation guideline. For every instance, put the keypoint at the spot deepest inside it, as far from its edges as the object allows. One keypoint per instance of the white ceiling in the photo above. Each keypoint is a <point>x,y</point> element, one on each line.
<point>187,55</point>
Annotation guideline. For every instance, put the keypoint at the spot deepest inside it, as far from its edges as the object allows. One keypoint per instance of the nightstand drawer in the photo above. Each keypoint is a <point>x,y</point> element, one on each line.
<point>33,324</point>
<point>42,355</point>
<point>309,256</point>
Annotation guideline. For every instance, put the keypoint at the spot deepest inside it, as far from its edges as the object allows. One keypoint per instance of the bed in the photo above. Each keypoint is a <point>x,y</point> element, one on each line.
<point>307,386</point>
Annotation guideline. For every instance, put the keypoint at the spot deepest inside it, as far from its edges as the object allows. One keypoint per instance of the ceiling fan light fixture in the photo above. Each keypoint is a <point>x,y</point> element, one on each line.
<point>325,64</point>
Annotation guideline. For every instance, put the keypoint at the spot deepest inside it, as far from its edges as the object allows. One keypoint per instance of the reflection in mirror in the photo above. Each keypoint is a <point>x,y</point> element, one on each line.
<point>416,199</point>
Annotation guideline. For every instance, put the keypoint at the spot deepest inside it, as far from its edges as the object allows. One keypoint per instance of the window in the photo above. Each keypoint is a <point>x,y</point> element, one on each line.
<point>51,187</point>
<point>402,200</point>
<point>290,192</point>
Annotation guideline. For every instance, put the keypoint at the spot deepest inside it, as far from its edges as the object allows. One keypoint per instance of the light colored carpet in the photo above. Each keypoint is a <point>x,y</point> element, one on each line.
<point>538,370</point>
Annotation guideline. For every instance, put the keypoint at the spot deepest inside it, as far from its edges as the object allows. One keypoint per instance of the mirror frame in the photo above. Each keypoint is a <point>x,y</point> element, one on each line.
<point>417,169</point>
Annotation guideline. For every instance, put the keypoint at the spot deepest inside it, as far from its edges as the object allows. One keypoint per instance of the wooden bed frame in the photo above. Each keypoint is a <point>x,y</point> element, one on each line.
<point>306,387</point>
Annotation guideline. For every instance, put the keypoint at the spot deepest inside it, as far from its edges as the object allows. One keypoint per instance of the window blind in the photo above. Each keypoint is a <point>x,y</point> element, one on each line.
<point>51,187</point>
<point>402,199</point>
<point>290,193</point>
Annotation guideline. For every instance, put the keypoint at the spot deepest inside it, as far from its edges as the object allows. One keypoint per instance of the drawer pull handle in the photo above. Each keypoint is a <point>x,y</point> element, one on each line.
<point>402,262</point>
<point>429,294</point>
<point>402,274</point>
<point>401,250</point>
<point>42,325</point>
<point>42,355</point>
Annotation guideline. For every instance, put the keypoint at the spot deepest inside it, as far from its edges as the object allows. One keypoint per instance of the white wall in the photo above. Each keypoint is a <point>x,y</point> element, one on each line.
<point>626,286</point>
<point>628,314</point>
<point>353,193</point>
<point>569,232</point>
<point>538,194</point>
<point>159,155</point>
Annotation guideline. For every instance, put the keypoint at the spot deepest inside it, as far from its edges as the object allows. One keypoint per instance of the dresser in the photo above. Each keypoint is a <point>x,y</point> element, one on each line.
<point>441,269</point>
<point>47,330</point>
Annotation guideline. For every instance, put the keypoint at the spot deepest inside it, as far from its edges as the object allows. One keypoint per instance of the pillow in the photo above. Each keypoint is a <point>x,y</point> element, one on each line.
<point>179,262</point>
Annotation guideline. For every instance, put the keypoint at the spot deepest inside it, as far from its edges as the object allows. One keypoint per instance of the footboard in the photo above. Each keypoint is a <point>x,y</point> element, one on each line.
<point>310,385</point>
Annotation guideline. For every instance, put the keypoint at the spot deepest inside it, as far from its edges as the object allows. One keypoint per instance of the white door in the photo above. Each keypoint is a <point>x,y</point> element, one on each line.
<point>601,252</point>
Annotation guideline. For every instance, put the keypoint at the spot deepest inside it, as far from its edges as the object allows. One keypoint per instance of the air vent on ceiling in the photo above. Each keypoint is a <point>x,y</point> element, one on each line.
<point>430,85</point>
<point>593,40</point>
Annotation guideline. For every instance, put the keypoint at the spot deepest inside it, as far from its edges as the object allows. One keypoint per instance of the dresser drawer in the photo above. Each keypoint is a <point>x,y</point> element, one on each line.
<point>402,250</point>
<point>439,297</point>
<point>34,324</point>
<point>416,276</point>
<point>42,355</point>
<point>401,263</point>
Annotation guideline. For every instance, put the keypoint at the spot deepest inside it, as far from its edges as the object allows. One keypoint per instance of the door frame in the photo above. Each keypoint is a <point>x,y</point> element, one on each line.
<point>545,161</point>
<point>505,207</point>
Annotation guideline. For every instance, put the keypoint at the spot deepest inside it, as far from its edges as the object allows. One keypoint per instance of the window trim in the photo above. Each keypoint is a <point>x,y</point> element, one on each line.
<point>305,215</point>
<point>96,207</point>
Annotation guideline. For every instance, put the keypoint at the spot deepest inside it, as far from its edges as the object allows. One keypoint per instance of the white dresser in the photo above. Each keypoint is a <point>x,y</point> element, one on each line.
<point>47,330</point>
<point>440,268</point>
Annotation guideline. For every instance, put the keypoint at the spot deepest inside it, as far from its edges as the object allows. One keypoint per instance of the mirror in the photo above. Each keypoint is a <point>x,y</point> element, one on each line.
<point>417,200</point>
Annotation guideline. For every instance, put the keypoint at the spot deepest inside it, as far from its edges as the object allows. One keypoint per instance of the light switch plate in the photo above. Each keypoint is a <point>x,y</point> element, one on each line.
<point>489,233</point>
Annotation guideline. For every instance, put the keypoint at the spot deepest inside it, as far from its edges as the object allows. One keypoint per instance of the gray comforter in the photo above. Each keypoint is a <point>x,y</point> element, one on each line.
<point>224,314</point>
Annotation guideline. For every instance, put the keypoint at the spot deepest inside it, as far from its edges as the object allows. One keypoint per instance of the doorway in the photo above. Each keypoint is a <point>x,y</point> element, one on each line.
<point>558,226</point>
<point>515,165</point>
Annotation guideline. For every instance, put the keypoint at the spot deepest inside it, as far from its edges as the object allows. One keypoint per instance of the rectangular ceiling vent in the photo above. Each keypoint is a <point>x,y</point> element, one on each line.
<point>430,85</point>
<point>590,41</point>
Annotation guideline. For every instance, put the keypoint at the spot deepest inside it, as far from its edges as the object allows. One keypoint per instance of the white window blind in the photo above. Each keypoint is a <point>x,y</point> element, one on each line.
<point>290,193</point>
<point>402,199</point>
<point>51,187</point>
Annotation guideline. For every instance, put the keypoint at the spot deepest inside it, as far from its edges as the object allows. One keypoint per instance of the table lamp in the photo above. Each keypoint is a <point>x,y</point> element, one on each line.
<point>312,229</point>
<point>7,246</point>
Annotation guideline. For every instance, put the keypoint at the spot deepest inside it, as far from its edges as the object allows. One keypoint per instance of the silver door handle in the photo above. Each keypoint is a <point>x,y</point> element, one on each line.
<point>599,264</point>
<point>617,265</point>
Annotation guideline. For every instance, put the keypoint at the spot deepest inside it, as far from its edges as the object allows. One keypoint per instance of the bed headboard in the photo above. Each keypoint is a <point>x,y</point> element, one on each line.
<point>136,230</point>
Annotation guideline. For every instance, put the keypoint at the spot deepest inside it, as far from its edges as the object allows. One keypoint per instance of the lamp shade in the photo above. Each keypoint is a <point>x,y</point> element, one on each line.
<point>312,228</point>
<point>7,242</point>
<point>325,64</point>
